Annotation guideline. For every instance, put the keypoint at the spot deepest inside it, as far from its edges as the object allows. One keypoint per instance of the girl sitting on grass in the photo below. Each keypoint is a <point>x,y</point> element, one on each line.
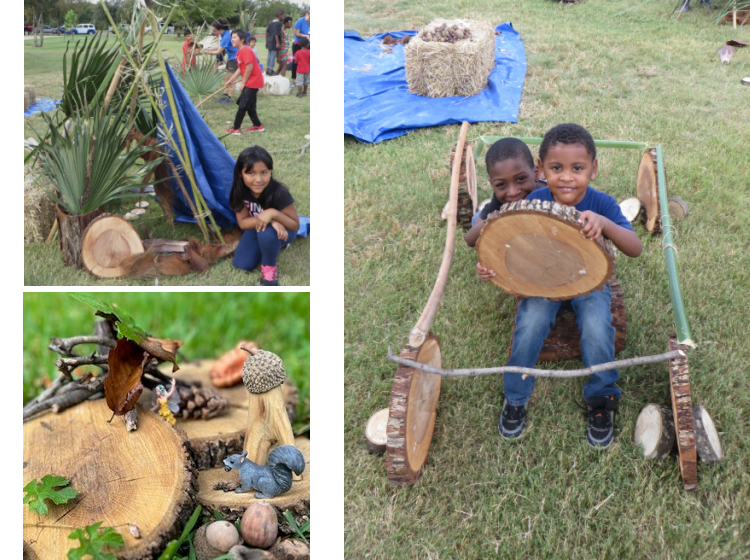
<point>260,201</point>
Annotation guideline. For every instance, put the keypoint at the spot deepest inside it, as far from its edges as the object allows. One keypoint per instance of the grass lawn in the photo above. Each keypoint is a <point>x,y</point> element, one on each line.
<point>287,121</point>
<point>642,76</point>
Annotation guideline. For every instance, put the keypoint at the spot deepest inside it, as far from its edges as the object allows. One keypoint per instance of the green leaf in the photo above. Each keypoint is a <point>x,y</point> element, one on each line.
<point>53,488</point>
<point>124,323</point>
<point>300,531</point>
<point>93,542</point>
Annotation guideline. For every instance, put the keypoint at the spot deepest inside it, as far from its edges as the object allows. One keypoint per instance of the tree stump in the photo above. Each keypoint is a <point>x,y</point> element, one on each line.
<point>71,230</point>
<point>143,477</point>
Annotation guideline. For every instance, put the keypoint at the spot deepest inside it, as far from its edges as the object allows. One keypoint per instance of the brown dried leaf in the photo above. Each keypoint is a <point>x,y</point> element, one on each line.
<point>163,349</point>
<point>734,43</point>
<point>122,386</point>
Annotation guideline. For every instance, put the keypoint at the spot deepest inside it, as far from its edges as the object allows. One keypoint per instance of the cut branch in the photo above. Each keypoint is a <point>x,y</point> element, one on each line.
<point>65,346</point>
<point>538,372</point>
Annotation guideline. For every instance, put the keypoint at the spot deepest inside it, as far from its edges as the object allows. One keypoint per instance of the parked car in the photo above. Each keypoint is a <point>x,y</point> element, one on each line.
<point>28,29</point>
<point>122,27</point>
<point>50,29</point>
<point>85,29</point>
<point>62,29</point>
<point>169,31</point>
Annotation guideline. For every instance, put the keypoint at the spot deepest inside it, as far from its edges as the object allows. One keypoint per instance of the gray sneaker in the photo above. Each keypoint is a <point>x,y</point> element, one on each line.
<point>512,421</point>
<point>601,427</point>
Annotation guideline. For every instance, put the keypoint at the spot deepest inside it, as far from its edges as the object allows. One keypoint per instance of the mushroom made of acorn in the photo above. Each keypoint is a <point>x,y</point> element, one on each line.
<point>267,420</point>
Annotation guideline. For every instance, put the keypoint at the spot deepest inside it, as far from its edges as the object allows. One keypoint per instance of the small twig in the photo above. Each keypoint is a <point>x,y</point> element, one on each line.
<point>67,365</point>
<point>65,346</point>
<point>596,508</point>
<point>300,150</point>
<point>538,372</point>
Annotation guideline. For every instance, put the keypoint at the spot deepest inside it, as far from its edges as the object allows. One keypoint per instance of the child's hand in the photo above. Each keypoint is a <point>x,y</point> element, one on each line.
<point>262,220</point>
<point>280,230</point>
<point>485,274</point>
<point>594,224</point>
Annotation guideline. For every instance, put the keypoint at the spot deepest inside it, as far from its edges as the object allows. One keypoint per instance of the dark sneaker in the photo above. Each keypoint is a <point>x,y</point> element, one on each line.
<point>268,276</point>
<point>685,6</point>
<point>601,428</point>
<point>512,421</point>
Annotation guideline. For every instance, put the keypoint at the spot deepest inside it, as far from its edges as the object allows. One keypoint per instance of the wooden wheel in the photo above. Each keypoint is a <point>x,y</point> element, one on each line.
<point>682,410</point>
<point>647,189</point>
<point>412,413</point>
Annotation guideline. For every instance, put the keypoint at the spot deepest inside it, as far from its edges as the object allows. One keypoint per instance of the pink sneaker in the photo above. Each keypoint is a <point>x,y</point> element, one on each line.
<point>237,132</point>
<point>268,276</point>
<point>260,128</point>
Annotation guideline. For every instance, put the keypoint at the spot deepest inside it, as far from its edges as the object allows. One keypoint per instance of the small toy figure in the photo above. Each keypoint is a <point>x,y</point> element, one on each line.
<point>273,479</point>
<point>166,402</point>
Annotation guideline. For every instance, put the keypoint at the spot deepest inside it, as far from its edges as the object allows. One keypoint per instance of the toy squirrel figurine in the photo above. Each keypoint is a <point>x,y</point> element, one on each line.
<point>274,478</point>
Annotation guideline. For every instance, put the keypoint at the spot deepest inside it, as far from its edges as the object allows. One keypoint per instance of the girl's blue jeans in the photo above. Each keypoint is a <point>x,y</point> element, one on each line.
<point>535,318</point>
<point>260,247</point>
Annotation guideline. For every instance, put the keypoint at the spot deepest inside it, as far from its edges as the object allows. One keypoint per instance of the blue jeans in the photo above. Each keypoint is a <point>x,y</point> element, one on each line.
<point>535,318</point>
<point>271,62</point>
<point>260,247</point>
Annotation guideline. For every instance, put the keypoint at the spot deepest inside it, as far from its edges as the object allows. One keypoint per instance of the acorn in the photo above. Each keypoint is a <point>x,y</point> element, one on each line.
<point>262,371</point>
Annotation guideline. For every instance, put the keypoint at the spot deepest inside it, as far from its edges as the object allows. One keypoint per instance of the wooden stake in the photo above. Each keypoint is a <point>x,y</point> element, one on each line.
<point>734,16</point>
<point>214,93</point>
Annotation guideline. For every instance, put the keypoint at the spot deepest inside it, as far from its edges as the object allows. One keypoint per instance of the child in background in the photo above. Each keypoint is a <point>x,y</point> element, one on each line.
<point>567,160</point>
<point>252,81</point>
<point>286,45</point>
<point>251,41</point>
<point>260,201</point>
<point>303,67</point>
<point>190,51</point>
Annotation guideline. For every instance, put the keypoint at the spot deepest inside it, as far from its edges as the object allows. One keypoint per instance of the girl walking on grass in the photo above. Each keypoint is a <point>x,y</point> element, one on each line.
<point>265,211</point>
<point>252,81</point>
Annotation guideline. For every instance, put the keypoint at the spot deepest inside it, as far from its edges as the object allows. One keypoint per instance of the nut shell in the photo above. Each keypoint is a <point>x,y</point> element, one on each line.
<point>262,371</point>
<point>259,526</point>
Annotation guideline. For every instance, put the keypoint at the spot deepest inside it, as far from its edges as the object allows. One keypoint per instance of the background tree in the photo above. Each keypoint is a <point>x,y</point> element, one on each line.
<point>71,19</point>
<point>265,11</point>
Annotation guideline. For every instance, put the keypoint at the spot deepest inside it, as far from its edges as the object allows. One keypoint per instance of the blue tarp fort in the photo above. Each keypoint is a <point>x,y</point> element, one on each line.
<point>378,105</point>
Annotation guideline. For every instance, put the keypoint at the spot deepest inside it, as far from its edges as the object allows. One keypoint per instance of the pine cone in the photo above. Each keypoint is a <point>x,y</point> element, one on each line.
<point>200,402</point>
<point>263,371</point>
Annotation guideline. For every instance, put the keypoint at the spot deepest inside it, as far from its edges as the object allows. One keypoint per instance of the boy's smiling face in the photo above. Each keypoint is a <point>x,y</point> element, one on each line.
<point>512,179</point>
<point>568,169</point>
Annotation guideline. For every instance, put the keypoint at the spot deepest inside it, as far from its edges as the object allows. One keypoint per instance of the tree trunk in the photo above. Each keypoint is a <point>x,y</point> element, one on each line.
<point>72,229</point>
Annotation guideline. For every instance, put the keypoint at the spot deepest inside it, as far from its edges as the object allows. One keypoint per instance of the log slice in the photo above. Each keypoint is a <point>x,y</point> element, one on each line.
<point>107,241</point>
<point>655,431</point>
<point>682,409</point>
<point>707,440</point>
<point>467,185</point>
<point>143,477</point>
<point>647,190</point>
<point>412,414</point>
<point>375,432</point>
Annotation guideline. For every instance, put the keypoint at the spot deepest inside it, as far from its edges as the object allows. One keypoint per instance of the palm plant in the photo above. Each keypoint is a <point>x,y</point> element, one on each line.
<point>731,6</point>
<point>200,80</point>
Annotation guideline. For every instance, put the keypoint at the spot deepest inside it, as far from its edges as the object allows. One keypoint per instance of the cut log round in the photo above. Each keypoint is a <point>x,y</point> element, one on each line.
<point>71,234</point>
<point>144,477</point>
<point>412,414</point>
<point>107,242</point>
<point>678,208</point>
<point>631,209</point>
<point>706,437</point>
<point>655,432</point>
<point>647,189</point>
<point>375,432</point>
<point>682,409</point>
<point>536,249</point>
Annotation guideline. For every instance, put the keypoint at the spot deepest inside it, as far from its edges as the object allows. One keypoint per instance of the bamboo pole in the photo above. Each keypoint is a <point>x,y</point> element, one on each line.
<point>488,140</point>
<point>670,253</point>
<point>214,93</point>
<point>420,330</point>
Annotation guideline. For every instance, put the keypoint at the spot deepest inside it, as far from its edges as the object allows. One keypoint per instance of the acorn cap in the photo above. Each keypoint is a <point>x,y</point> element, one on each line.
<point>262,371</point>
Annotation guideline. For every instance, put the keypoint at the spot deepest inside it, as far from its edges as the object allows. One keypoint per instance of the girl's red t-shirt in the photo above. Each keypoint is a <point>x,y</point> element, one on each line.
<point>246,56</point>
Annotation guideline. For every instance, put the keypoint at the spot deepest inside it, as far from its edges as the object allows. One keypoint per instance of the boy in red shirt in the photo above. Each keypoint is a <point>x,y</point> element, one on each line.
<point>302,57</point>
<point>190,51</point>
<point>252,81</point>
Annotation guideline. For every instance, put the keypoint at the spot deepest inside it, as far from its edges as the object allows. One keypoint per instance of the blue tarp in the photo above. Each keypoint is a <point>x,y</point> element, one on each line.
<point>378,105</point>
<point>42,104</point>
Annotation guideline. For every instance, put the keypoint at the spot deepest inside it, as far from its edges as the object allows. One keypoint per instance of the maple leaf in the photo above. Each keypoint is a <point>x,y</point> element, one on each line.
<point>94,541</point>
<point>51,487</point>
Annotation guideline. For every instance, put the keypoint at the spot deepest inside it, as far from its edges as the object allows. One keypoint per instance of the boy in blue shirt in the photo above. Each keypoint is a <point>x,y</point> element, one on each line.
<point>567,160</point>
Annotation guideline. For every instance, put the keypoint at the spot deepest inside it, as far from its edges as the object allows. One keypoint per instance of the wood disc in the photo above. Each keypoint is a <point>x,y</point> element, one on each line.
<point>108,240</point>
<point>706,437</point>
<point>375,432</point>
<point>655,431</point>
<point>536,249</point>
<point>682,410</point>
<point>143,477</point>
<point>631,208</point>
<point>412,414</point>
<point>647,190</point>
<point>678,208</point>
<point>467,186</point>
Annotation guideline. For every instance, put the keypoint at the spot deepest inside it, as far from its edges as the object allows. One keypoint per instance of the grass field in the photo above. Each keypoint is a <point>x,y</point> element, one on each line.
<point>287,121</point>
<point>642,76</point>
<point>208,323</point>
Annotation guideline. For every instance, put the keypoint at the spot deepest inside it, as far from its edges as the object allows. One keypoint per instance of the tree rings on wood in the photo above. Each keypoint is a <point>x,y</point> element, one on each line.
<point>682,409</point>
<point>678,208</point>
<point>412,414</point>
<point>655,431</point>
<point>647,189</point>
<point>108,240</point>
<point>706,437</point>
<point>143,477</point>
<point>375,432</point>
<point>536,249</point>
<point>467,186</point>
<point>631,208</point>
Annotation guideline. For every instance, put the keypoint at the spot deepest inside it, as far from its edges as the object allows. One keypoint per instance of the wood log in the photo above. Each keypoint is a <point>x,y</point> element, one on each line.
<point>412,414</point>
<point>707,441</point>
<point>217,493</point>
<point>678,208</point>
<point>107,241</point>
<point>375,432</point>
<point>682,409</point>
<point>564,340</point>
<point>467,185</point>
<point>71,230</point>
<point>144,477</point>
<point>647,189</point>
<point>536,249</point>
<point>631,208</point>
<point>655,432</point>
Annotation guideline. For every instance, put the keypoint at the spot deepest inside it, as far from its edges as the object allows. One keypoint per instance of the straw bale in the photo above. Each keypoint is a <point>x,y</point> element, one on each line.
<point>29,96</point>
<point>444,64</point>
<point>38,208</point>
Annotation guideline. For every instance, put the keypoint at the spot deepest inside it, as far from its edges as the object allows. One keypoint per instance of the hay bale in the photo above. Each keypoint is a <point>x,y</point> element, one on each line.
<point>29,96</point>
<point>38,208</point>
<point>450,57</point>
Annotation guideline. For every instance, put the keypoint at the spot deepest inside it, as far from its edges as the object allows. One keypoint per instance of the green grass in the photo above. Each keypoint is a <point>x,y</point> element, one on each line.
<point>642,77</point>
<point>208,323</point>
<point>287,120</point>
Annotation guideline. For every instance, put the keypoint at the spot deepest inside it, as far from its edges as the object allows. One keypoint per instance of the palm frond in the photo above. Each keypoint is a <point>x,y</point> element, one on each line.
<point>90,66</point>
<point>201,80</point>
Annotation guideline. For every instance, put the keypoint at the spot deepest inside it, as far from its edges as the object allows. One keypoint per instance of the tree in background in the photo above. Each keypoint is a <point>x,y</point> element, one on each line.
<point>196,12</point>
<point>71,19</point>
<point>265,10</point>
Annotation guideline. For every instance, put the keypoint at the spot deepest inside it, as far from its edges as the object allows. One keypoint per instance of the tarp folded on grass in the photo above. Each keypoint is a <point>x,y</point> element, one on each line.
<point>378,105</point>
<point>42,104</point>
